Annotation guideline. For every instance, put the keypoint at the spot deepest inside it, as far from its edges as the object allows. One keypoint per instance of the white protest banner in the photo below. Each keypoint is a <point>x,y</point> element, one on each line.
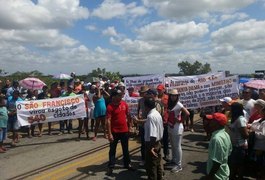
<point>190,80</point>
<point>151,80</point>
<point>207,93</point>
<point>50,110</point>
<point>133,104</point>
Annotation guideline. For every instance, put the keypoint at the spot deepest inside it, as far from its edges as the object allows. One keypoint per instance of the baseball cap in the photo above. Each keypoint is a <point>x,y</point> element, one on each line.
<point>260,102</point>
<point>152,92</point>
<point>219,117</point>
<point>160,87</point>
<point>227,100</point>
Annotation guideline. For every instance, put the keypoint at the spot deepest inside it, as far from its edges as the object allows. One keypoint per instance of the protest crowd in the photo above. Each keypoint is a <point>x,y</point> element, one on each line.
<point>235,127</point>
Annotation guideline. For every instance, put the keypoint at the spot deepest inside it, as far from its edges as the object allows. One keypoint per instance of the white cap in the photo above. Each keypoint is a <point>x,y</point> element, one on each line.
<point>226,100</point>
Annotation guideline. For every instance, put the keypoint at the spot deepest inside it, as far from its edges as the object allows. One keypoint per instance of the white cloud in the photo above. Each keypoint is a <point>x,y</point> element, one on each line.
<point>172,32</point>
<point>110,31</point>
<point>186,9</point>
<point>163,37</point>
<point>24,14</point>
<point>245,35</point>
<point>45,39</point>
<point>91,27</point>
<point>114,8</point>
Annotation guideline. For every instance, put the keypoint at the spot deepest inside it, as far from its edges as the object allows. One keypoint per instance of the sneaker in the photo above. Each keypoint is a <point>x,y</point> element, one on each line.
<point>70,132</point>
<point>192,130</point>
<point>142,163</point>
<point>176,169</point>
<point>2,151</point>
<point>166,158</point>
<point>130,168</point>
<point>60,133</point>
<point>109,171</point>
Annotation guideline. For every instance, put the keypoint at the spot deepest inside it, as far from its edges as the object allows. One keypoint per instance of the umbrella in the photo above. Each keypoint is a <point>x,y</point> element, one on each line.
<point>31,83</point>
<point>62,76</point>
<point>257,84</point>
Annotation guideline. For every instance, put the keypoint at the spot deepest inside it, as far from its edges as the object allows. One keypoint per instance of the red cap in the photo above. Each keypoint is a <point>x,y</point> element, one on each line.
<point>219,117</point>
<point>160,87</point>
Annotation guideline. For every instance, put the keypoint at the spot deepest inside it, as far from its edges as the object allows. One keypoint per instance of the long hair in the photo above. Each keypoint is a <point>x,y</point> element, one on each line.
<point>236,111</point>
<point>172,104</point>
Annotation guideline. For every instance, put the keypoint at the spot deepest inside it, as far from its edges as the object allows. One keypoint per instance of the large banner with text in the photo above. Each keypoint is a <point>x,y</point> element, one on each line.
<point>204,90</point>
<point>151,80</point>
<point>50,110</point>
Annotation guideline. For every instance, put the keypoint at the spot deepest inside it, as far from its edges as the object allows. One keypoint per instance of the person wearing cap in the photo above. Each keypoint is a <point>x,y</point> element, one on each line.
<point>219,149</point>
<point>142,115</point>
<point>176,128</point>
<point>163,97</point>
<point>248,102</point>
<point>258,129</point>
<point>118,125</point>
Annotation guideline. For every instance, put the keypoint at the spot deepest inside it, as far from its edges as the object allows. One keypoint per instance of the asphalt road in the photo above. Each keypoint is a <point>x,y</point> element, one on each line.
<point>62,157</point>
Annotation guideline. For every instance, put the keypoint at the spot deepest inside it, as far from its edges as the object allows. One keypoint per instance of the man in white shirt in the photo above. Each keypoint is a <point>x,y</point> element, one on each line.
<point>153,135</point>
<point>248,103</point>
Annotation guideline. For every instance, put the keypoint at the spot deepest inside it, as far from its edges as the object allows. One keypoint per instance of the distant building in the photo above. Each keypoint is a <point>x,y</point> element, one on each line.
<point>259,74</point>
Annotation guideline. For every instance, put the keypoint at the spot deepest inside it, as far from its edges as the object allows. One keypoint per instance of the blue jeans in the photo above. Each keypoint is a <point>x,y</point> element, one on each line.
<point>141,132</point>
<point>66,125</point>
<point>175,140</point>
<point>124,138</point>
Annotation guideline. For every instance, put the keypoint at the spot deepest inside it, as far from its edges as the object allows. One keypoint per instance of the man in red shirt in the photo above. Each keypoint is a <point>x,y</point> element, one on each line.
<point>163,97</point>
<point>118,123</point>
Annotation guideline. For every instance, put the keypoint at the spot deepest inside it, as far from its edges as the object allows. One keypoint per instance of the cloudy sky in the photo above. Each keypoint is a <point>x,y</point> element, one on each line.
<point>143,36</point>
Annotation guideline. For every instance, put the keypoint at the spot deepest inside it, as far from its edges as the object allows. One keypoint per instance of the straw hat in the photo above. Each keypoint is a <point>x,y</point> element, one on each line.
<point>143,89</point>
<point>173,92</point>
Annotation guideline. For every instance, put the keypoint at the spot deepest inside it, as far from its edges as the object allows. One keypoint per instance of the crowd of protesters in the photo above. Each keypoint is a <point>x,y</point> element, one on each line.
<point>236,130</point>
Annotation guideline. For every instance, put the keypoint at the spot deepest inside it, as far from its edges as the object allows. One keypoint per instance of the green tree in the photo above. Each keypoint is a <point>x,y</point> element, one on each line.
<point>196,68</point>
<point>102,72</point>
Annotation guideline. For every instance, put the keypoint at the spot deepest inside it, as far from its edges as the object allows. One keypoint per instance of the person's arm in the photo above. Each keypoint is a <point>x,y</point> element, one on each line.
<point>213,171</point>
<point>152,146</point>
<point>109,129</point>
<point>244,132</point>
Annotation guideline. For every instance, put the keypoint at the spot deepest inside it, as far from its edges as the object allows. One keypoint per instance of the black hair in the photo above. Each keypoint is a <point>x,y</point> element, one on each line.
<point>237,110</point>
<point>172,104</point>
<point>150,103</point>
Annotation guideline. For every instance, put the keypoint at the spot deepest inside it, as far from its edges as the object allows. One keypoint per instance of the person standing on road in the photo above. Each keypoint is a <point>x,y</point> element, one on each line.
<point>67,123</point>
<point>118,123</point>
<point>13,124</point>
<point>153,135</point>
<point>3,123</point>
<point>220,147</point>
<point>163,97</point>
<point>175,130</point>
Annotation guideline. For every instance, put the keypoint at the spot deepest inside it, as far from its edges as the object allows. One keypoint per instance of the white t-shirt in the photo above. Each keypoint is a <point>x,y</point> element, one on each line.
<point>248,106</point>
<point>153,126</point>
<point>235,135</point>
<point>178,127</point>
<point>259,128</point>
<point>90,102</point>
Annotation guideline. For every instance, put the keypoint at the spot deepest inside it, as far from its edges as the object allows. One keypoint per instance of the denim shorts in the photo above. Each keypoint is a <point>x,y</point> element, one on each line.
<point>3,134</point>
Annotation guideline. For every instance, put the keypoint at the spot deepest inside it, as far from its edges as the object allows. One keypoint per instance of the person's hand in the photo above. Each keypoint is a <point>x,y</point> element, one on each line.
<point>110,138</point>
<point>154,152</point>
<point>0,129</point>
